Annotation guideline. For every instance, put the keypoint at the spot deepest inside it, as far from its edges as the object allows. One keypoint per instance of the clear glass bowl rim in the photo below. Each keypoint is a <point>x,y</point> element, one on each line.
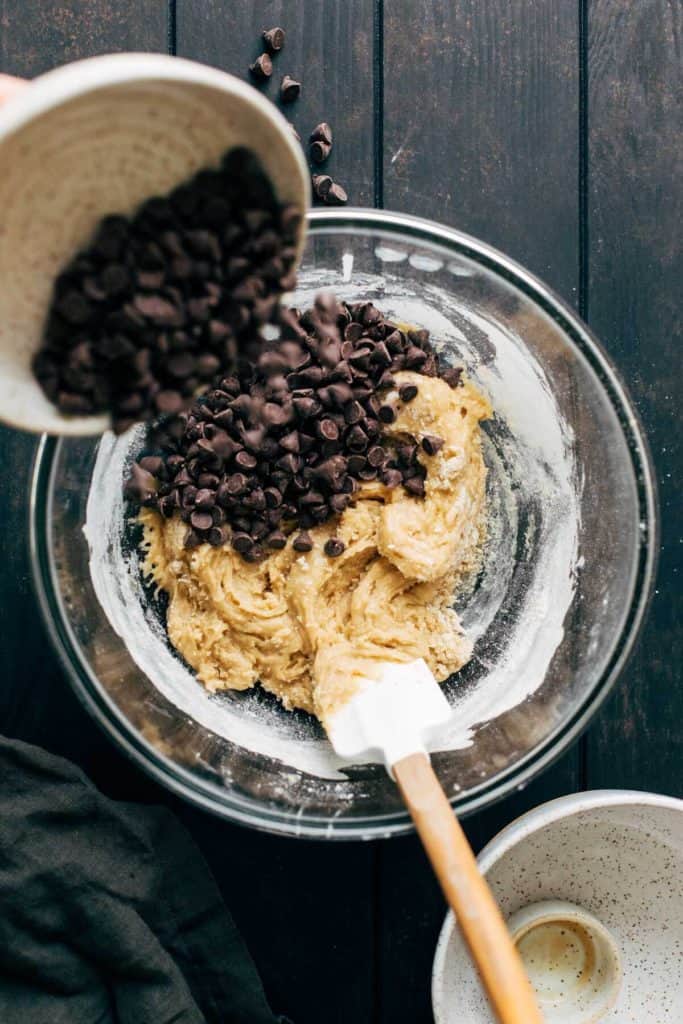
<point>247,811</point>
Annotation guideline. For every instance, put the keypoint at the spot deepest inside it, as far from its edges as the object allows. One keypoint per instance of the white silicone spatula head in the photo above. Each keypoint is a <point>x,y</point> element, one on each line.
<point>99,137</point>
<point>391,717</point>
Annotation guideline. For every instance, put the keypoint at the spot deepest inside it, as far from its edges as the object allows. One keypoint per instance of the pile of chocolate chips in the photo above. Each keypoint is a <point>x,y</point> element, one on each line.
<point>155,308</point>
<point>286,439</point>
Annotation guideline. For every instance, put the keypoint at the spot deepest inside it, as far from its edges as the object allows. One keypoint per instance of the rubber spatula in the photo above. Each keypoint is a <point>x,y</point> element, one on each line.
<point>392,718</point>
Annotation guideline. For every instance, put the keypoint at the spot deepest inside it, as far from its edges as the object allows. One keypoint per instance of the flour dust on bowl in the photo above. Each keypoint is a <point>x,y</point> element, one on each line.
<point>553,611</point>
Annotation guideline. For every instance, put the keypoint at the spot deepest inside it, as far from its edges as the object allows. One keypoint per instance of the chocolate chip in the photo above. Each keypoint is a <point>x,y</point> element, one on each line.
<point>353,412</point>
<point>204,499</point>
<point>181,365</point>
<point>208,366</point>
<point>208,481</point>
<point>376,456</point>
<point>322,183</point>
<point>311,498</point>
<point>290,442</point>
<point>159,310</point>
<point>340,393</point>
<point>419,336</point>
<point>327,429</point>
<point>218,515</point>
<point>336,195</point>
<point>273,497</point>
<point>406,453</point>
<point>245,460</point>
<point>115,279</point>
<point>380,355</point>
<point>153,464</point>
<point>415,357</point>
<point>241,542</point>
<point>356,438</point>
<point>75,308</point>
<point>432,444</point>
<point>387,413</point>
<point>391,477</point>
<point>322,133</point>
<point>276,415</point>
<point>168,402</point>
<point>149,280</point>
<point>255,500</point>
<point>110,237</point>
<point>234,485</point>
<point>289,463</point>
<point>302,542</point>
<point>276,540</point>
<point>331,470</point>
<point>201,520</point>
<point>356,463</point>
<point>290,89</point>
<point>453,377</point>
<point>262,67</point>
<point>254,554</point>
<point>274,39</point>
<point>415,486</point>
<point>339,502</point>
<point>217,536</point>
<point>334,547</point>
<point>319,152</point>
<point>407,392</point>
<point>306,407</point>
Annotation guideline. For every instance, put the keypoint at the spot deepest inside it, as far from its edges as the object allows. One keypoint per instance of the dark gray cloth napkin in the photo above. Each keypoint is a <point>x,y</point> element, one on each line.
<point>108,912</point>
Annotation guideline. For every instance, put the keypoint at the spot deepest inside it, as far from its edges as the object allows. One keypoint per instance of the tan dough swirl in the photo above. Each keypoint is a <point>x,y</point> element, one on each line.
<point>309,626</point>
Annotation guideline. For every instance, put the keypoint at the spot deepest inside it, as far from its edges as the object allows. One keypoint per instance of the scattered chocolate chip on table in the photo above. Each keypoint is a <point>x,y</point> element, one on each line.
<point>319,151</point>
<point>274,39</point>
<point>290,90</point>
<point>262,67</point>
<point>322,133</point>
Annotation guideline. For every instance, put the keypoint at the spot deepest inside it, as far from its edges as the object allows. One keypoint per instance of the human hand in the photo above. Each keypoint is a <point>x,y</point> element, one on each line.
<point>9,85</point>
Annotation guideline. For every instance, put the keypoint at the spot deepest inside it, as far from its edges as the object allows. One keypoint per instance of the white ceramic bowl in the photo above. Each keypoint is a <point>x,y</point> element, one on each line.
<point>616,854</point>
<point>97,137</point>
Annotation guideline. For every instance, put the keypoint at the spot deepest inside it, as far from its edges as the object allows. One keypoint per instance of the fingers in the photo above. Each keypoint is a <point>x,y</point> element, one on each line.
<point>9,85</point>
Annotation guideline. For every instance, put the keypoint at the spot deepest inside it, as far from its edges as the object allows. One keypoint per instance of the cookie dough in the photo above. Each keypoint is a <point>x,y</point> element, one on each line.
<point>308,626</point>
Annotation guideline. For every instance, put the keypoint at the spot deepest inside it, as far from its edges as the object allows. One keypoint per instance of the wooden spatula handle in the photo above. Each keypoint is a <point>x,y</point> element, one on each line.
<point>478,915</point>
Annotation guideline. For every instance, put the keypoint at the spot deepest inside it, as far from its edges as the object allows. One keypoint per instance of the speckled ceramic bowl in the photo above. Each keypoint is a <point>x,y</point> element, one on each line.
<point>617,855</point>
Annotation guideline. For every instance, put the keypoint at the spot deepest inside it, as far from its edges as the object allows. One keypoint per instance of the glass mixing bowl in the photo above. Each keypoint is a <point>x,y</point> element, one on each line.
<point>554,609</point>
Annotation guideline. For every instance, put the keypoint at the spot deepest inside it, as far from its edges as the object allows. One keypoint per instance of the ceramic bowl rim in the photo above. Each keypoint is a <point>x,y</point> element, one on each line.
<point>62,85</point>
<point>526,825</point>
<point>247,811</point>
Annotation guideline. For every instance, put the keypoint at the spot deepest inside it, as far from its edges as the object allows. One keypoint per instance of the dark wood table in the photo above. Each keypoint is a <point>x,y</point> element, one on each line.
<point>549,128</point>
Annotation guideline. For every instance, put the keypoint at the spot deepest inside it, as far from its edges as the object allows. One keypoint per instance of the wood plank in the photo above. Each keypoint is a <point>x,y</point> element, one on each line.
<point>481,124</point>
<point>36,702</point>
<point>480,131</point>
<point>328,48</point>
<point>36,35</point>
<point>635,206</point>
<point>305,909</point>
